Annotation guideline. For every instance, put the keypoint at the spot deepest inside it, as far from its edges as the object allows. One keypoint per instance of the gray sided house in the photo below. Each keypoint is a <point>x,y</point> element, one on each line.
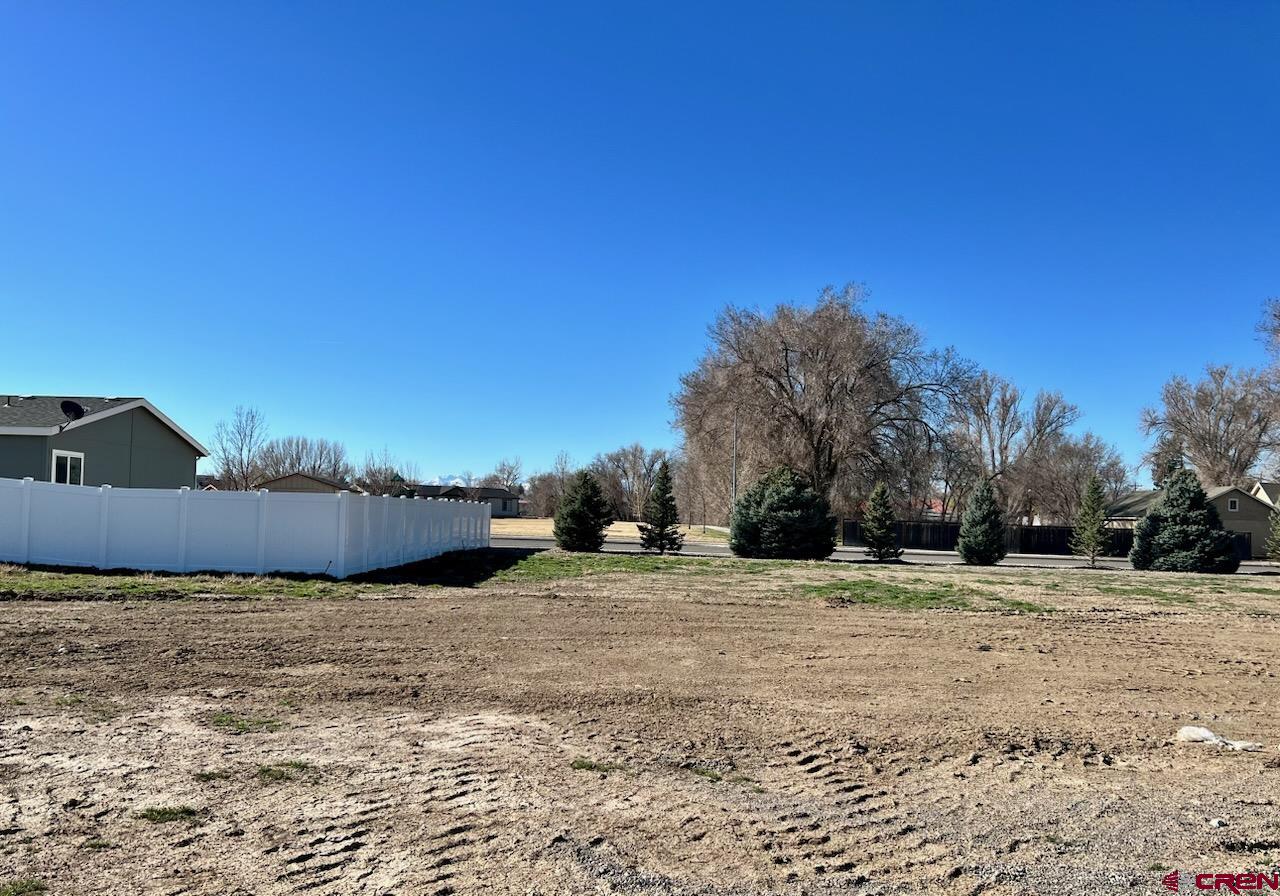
<point>1240,512</point>
<point>122,442</point>
<point>503,503</point>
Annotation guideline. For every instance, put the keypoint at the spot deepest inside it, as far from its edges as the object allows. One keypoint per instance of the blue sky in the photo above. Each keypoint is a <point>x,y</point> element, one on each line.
<point>467,231</point>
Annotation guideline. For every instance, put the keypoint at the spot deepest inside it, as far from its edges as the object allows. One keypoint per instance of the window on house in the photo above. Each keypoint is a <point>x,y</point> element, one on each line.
<point>68,467</point>
<point>1233,504</point>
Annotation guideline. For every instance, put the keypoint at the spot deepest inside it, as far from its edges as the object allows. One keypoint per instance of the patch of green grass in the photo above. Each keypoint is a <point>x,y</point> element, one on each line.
<point>22,887</point>
<point>583,764</point>
<point>213,775</point>
<point>710,774</point>
<point>20,582</point>
<point>875,593</point>
<point>68,700</point>
<point>97,844</point>
<point>1158,866</point>
<point>167,814</point>
<point>552,565</point>
<point>281,771</point>
<point>1018,605</point>
<point>233,724</point>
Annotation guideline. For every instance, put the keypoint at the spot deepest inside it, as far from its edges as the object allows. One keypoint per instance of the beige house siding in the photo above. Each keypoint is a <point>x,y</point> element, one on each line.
<point>297,482</point>
<point>1251,515</point>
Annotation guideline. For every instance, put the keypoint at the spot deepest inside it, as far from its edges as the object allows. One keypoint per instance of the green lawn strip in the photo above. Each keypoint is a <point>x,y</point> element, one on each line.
<point>22,887</point>
<point>282,771</point>
<point>552,565</point>
<point>17,582</point>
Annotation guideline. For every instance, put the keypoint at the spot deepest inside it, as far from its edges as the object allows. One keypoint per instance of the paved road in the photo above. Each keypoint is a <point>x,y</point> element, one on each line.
<point>852,555</point>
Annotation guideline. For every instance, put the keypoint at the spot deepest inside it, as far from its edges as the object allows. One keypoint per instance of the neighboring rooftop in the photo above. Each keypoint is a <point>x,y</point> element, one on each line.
<point>46,410</point>
<point>1139,503</point>
<point>483,493</point>
<point>43,414</point>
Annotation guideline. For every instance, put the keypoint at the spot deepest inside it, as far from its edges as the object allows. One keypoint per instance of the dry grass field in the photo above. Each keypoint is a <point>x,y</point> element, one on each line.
<point>555,724</point>
<point>541,527</point>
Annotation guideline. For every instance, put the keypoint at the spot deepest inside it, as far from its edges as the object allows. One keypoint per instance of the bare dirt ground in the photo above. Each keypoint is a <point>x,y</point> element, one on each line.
<point>686,726</point>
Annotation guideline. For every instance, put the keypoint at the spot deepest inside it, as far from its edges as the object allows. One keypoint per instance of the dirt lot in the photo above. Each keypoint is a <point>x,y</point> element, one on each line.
<point>637,726</point>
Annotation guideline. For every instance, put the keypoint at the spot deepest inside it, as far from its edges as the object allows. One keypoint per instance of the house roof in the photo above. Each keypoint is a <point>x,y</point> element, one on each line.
<point>329,483</point>
<point>1139,503</point>
<point>481,492</point>
<point>41,415</point>
<point>1270,490</point>
<point>1134,504</point>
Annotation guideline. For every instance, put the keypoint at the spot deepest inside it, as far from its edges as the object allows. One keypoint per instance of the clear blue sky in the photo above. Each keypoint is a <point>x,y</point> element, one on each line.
<point>465,231</point>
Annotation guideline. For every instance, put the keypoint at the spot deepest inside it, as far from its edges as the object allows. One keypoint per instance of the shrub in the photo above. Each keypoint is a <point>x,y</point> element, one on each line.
<point>582,516</point>
<point>660,529</point>
<point>879,529</point>
<point>981,540</point>
<point>782,517</point>
<point>1183,532</point>
<point>1273,535</point>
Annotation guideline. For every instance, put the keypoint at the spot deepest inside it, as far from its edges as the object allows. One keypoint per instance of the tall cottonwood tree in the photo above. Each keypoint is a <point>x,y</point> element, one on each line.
<point>302,454</point>
<point>830,390</point>
<point>1228,422</point>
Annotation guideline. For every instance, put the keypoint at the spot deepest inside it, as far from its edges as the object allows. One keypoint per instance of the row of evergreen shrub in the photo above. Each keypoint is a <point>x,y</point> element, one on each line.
<point>781,516</point>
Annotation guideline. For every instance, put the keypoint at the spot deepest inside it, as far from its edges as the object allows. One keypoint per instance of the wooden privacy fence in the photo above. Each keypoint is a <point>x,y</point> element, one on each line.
<point>933,536</point>
<point>180,530</point>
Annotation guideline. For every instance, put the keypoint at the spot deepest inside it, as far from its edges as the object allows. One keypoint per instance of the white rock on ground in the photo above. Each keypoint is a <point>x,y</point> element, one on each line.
<point>1194,734</point>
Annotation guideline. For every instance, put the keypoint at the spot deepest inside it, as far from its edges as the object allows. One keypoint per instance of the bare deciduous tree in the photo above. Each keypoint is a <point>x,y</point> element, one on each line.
<point>301,454</point>
<point>1008,440</point>
<point>507,474</point>
<point>1228,422</point>
<point>383,474</point>
<point>830,390</point>
<point>626,476</point>
<point>546,489</point>
<point>236,448</point>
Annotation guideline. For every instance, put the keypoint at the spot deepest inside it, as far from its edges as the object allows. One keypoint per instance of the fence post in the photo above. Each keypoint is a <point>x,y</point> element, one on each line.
<point>344,507</point>
<point>104,501</point>
<point>184,496</point>
<point>26,519</point>
<point>262,530</point>
<point>366,500</point>
<point>404,529</point>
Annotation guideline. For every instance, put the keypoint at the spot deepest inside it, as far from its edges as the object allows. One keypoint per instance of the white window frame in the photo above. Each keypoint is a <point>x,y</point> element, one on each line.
<point>1233,504</point>
<point>53,465</point>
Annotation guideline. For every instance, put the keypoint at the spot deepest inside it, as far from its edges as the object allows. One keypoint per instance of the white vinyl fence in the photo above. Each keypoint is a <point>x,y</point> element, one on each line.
<point>181,530</point>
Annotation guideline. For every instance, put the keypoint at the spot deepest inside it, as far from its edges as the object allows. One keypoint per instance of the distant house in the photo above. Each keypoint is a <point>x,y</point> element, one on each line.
<point>124,442</point>
<point>305,482</point>
<point>504,502</point>
<point>1265,490</point>
<point>1240,510</point>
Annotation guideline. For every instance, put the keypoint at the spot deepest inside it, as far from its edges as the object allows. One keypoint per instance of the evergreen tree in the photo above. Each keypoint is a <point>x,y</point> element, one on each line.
<point>1089,537</point>
<point>582,516</point>
<point>879,529</point>
<point>660,529</point>
<point>1273,536</point>
<point>1144,532</point>
<point>1183,532</point>
<point>782,517</point>
<point>982,539</point>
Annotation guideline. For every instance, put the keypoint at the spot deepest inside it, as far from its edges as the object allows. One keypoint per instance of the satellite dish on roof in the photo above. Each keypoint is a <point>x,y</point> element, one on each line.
<point>73,410</point>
